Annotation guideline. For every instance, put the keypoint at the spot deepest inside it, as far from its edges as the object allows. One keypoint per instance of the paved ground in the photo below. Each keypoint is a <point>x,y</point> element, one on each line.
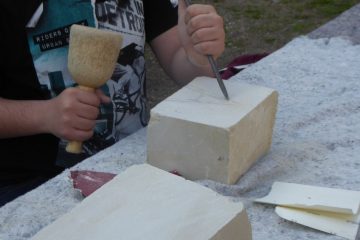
<point>347,25</point>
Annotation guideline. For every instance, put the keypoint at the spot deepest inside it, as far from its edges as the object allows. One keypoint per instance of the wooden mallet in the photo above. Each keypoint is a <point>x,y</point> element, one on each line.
<point>91,61</point>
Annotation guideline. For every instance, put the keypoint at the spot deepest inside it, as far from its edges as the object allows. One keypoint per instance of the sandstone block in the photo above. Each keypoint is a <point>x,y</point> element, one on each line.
<point>145,202</point>
<point>201,135</point>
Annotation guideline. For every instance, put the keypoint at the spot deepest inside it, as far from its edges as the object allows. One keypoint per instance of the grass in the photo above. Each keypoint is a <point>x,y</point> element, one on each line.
<point>254,26</point>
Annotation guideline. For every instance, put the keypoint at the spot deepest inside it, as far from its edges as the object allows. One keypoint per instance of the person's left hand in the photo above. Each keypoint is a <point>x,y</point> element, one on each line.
<point>201,32</point>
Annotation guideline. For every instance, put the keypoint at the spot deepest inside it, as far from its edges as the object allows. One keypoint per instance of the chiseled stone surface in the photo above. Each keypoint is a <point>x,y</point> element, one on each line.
<point>201,135</point>
<point>165,205</point>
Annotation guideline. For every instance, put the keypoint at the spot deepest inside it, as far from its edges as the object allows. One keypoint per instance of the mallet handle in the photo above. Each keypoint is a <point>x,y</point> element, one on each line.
<point>76,146</point>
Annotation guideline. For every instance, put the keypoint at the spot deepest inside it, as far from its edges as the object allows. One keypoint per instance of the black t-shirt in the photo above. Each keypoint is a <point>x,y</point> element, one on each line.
<point>35,155</point>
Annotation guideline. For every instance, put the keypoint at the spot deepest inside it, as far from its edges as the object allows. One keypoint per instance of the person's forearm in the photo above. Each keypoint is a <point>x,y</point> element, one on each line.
<point>21,118</point>
<point>182,70</point>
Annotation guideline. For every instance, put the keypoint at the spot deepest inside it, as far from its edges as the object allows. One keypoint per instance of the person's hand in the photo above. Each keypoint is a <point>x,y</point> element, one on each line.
<point>201,32</point>
<point>72,115</point>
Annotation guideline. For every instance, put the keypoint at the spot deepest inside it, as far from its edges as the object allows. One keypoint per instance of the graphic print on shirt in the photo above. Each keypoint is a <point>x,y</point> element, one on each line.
<point>49,40</point>
<point>128,112</point>
<point>48,43</point>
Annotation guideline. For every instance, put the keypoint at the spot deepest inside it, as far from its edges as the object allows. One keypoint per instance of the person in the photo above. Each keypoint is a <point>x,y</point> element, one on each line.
<point>40,109</point>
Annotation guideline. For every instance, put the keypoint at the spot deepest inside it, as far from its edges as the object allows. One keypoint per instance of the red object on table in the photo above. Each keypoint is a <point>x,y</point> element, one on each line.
<point>176,173</point>
<point>89,181</point>
<point>240,63</point>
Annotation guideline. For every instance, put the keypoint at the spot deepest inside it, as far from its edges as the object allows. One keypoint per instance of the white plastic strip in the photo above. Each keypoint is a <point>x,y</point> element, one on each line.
<point>337,224</point>
<point>311,197</point>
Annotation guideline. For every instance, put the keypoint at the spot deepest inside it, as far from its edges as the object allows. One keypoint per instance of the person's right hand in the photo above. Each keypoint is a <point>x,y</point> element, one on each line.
<point>201,31</point>
<point>72,115</point>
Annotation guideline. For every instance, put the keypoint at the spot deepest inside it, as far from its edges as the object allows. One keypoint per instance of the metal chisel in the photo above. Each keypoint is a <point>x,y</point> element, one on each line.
<point>214,67</point>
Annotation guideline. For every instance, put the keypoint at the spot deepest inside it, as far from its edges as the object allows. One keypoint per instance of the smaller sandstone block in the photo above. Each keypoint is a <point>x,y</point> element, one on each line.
<point>145,202</point>
<point>201,135</point>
